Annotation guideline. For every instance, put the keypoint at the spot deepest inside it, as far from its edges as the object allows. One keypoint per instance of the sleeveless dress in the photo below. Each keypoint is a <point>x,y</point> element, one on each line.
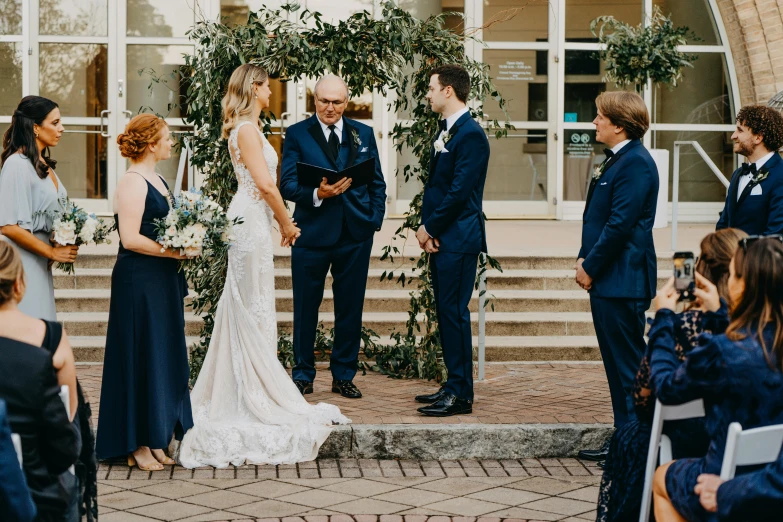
<point>144,392</point>
<point>247,408</point>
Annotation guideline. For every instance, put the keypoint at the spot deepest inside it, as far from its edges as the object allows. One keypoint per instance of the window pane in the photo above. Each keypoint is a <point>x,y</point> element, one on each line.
<point>521,78</point>
<point>528,20</point>
<point>517,167</point>
<point>697,182</point>
<point>332,12</point>
<point>695,14</point>
<point>584,81</point>
<point>168,168</point>
<point>703,95</point>
<point>160,17</point>
<point>166,98</point>
<point>74,17</point>
<point>579,14</point>
<point>10,77</point>
<point>81,162</point>
<point>581,155</point>
<point>74,76</point>
<point>237,11</point>
<point>10,16</point>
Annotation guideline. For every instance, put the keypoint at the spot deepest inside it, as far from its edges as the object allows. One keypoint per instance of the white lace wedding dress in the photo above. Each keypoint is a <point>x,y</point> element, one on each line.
<point>246,408</point>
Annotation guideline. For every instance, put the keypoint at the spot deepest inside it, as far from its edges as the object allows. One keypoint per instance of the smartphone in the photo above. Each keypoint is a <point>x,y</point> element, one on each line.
<point>684,278</point>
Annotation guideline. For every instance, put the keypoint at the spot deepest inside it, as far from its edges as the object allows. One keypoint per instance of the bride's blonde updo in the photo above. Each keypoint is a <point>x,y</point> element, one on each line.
<point>141,131</point>
<point>238,102</point>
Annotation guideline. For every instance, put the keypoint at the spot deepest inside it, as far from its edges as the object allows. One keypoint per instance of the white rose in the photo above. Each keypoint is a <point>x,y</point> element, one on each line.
<point>65,233</point>
<point>193,251</point>
<point>439,145</point>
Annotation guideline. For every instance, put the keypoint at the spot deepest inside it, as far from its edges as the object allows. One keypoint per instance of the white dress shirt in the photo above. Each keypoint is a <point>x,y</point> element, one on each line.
<point>745,179</point>
<point>327,132</point>
<point>617,148</point>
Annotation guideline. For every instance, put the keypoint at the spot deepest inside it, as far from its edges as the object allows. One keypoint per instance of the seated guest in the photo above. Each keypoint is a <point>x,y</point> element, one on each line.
<point>29,385</point>
<point>756,496</point>
<point>754,202</point>
<point>620,496</point>
<point>738,374</point>
<point>16,504</point>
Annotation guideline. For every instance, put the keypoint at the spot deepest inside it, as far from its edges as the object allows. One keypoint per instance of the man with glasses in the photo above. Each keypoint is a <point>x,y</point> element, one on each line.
<point>338,223</point>
<point>754,203</point>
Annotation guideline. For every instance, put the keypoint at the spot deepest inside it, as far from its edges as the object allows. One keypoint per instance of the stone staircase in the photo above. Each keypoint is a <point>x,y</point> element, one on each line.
<point>540,313</point>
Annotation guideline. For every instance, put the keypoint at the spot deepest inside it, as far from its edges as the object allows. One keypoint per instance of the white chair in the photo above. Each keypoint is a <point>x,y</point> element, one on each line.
<point>66,398</point>
<point>749,447</point>
<point>662,443</point>
<point>17,440</point>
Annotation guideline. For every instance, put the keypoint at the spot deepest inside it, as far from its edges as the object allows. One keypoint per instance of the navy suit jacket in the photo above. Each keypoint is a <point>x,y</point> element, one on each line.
<point>16,504</point>
<point>452,206</point>
<point>617,239</point>
<point>756,214</point>
<point>360,208</point>
<point>754,496</point>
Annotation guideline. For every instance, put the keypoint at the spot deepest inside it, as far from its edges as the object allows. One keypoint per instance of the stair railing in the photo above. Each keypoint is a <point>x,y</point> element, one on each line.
<point>676,180</point>
<point>482,320</point>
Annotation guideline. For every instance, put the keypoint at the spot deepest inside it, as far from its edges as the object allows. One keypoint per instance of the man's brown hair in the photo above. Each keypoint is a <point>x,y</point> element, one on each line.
<point>763,121</point>
<point>626,110</point>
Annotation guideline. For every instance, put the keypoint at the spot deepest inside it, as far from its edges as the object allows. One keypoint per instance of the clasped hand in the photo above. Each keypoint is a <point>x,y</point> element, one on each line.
<point>289,232</point>
<point>429,244</point>
<point>706,293</point>
<point>582,278</point>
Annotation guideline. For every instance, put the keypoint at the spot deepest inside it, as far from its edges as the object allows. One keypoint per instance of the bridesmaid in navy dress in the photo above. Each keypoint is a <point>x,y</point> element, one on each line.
<point>144,395</point>
<point>738,374</point>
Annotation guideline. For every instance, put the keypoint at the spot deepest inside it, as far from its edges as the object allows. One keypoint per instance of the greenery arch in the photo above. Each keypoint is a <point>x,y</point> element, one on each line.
<point>391,54</point>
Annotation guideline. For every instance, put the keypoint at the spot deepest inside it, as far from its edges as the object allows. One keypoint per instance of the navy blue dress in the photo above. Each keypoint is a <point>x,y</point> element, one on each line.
<point>737,385</point>
<point>144,394</point>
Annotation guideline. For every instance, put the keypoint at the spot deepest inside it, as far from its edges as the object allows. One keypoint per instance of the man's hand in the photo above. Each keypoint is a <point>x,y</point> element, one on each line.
<point>432,246</point>
<point>707,489</point>
<point>422,236</point>
<point>329,191</point>
<point>582,279</point>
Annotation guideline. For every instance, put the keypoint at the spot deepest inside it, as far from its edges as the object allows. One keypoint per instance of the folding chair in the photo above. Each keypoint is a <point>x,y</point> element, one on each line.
<point>66,398</point>
<point>749,447</point>
<point>658,441</point>
<point>17,440</point>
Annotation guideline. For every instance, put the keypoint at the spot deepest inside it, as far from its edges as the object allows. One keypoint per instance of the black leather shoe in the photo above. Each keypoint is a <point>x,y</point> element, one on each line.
<point>305,387</point>
<point>346,389</point>
<point>448,405</point>
<point>595,455</point>
<point>432,397</point>
<point>601,464</point>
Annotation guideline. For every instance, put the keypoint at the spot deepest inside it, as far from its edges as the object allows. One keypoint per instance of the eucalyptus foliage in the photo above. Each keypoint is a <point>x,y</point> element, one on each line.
<point>635,55</point>
<point>393,55</point>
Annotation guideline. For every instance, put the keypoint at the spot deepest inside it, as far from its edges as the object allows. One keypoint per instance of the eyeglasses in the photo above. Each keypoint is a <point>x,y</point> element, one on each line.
<point>334,103</point>
<point>747,241</point>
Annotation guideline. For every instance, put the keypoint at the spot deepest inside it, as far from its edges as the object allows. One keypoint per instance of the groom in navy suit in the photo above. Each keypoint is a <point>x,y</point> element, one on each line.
<point>754,203</point>
<point>617,263</point>
<point>338,223</point>
<point>452,232</point>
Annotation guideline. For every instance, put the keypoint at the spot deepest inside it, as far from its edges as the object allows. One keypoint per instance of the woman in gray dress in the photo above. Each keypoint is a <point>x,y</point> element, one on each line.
<point>29,192</point>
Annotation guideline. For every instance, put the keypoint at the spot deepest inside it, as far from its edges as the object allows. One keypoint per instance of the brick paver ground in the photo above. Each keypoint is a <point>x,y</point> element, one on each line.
<point>513,393</point>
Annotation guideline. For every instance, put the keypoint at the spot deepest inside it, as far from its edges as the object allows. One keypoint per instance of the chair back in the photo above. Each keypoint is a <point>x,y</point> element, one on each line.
<point>17,440</point>
<point>749,447</point>
<point>660,442</point>
<point>66,398</point>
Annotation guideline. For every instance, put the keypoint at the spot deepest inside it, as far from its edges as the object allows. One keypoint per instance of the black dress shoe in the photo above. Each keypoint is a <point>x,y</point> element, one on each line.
<point>447,406</point>
<point>305,387</point>
<point>432,397</point>
<point>601,464</point>
<point>595,455</point>
<point>346,389</point>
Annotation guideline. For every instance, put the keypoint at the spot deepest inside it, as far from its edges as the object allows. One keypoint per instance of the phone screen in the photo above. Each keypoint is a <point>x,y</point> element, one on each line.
<point>683,272</point>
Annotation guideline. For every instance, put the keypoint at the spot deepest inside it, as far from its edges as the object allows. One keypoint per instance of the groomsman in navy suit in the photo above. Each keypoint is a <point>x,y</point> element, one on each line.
<point>754,203</point>
<point>617,263</point>
<point>452,231</point>
<point>338,223</point>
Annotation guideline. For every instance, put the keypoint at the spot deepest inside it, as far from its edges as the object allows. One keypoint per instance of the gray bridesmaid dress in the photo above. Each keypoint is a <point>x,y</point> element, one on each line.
<point>22,196</point>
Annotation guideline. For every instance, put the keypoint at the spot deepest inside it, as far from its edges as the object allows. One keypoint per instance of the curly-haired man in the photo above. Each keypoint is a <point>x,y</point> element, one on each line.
<point>754,202</point>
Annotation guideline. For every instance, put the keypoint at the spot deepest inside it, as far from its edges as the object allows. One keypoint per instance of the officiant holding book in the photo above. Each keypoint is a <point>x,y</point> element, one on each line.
<point>338,222</point>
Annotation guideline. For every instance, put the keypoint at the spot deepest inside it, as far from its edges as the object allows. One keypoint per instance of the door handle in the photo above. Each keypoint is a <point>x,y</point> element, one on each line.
<point>128,113</point>
<point>104,127</point>
<point>283,118</point>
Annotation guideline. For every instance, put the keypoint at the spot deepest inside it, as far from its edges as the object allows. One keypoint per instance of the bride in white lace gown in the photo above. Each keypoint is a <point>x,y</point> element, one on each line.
<point>246,408</point>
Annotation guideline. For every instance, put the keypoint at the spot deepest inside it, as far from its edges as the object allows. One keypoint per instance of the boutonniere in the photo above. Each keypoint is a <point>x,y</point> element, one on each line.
<point>761,175</point>
<point>443,139</point>
<point>599,171</point>
<point>356,139</point>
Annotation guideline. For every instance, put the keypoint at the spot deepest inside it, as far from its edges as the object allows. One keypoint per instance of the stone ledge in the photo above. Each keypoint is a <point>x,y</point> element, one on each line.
<point>462,441</point>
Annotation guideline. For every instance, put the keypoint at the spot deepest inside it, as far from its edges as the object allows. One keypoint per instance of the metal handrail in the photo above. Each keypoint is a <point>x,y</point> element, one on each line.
<point>482,320</point>
<point>676,180</point>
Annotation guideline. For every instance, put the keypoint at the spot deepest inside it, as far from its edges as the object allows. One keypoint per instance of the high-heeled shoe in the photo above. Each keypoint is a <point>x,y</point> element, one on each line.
<point>167,461</point>
<point>157,466</point>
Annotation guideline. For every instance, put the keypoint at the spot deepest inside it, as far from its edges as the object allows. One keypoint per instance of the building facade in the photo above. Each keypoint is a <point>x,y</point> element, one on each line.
<point>106,60</point>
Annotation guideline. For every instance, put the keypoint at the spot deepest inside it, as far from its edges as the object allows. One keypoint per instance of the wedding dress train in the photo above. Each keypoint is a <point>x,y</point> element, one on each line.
<point>245,406</point>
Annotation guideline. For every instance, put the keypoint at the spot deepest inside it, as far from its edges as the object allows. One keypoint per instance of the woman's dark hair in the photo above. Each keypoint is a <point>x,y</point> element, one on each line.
<point>20,136</point>
<point>717,250</point>
<point>761,268</point>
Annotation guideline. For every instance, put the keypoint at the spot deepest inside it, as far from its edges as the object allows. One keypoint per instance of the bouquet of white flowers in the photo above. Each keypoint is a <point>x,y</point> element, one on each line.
<point>74,226</point>
<point>196,225</point>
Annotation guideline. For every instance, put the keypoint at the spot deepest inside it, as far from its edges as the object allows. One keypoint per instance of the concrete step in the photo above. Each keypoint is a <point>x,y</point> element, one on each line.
<point>90,348</point>
<point>96,323</point>
<point>100,278</point>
